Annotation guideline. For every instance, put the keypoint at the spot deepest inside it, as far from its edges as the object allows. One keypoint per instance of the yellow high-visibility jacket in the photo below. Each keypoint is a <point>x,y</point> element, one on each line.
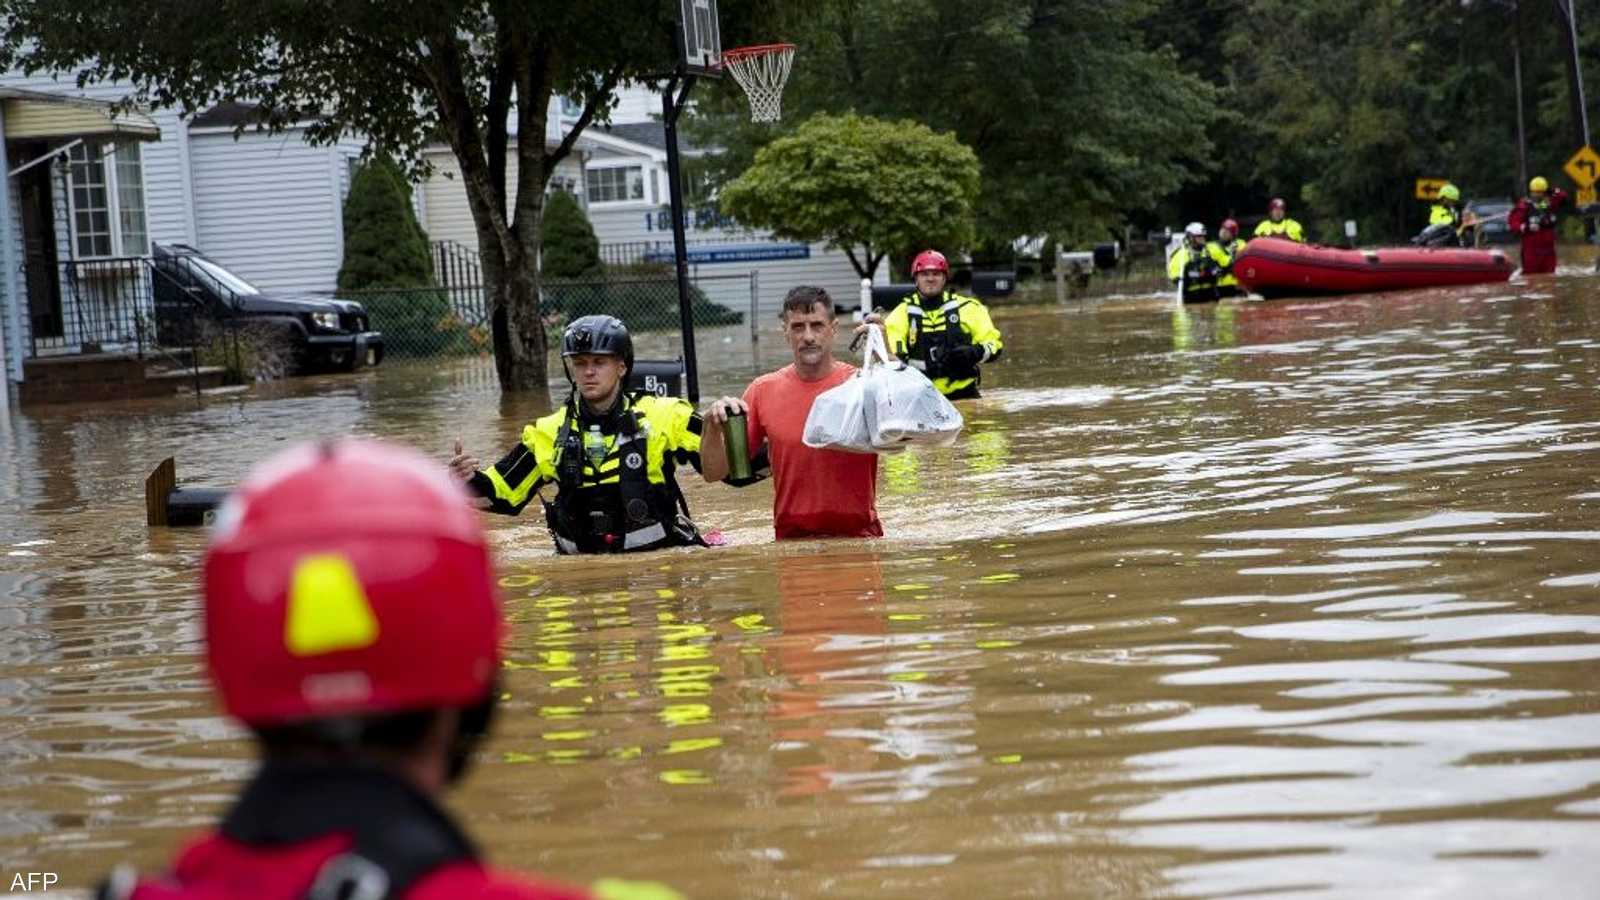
<point>922,334</point>
<point>1225,255</point>
<point>1198,269</point>
<point>644,440</point>
<point>1288,228</point>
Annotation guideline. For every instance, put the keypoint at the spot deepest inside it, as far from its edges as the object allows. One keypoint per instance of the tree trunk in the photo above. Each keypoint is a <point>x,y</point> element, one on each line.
<point>519,338</point>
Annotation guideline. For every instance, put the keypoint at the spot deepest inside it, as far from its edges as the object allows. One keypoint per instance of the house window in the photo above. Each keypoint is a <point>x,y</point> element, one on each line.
<point>570,108</point>
<point>107,191</point>
<point>613,185</point>
<point>130,201</point>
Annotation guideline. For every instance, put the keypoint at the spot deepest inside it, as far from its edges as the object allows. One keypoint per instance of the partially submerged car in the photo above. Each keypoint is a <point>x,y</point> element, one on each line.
<point>194,293</point>
<point>1492,213</point>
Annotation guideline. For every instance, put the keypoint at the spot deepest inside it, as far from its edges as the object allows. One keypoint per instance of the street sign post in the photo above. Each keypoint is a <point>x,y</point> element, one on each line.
<point>1428,188</point>
<point>1584,167</point>
<point>1586,196</point>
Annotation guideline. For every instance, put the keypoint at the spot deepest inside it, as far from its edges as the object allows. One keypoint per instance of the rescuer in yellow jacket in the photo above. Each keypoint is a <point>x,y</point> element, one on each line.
<point>1278,224</point>
<point>944,334</point>
<point>1445,227</point>
<point>610,454</point>
<point>1225,249</point>
<point>1196,267</point>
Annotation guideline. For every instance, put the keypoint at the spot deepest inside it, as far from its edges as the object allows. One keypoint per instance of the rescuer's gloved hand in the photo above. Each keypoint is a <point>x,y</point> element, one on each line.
<point>964,358</point>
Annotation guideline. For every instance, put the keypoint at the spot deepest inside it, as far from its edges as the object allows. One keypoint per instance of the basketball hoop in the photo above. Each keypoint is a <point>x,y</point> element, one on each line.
<point>762,71</point>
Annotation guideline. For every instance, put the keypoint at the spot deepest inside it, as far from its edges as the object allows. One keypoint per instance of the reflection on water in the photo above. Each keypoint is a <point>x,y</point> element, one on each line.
<point>1256,598</point>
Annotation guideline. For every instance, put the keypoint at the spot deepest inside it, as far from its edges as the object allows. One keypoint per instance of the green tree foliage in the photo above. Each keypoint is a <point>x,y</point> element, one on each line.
<point>570,248</point>
<point>1076,121</point>
<point>1340,105</point>
<point>384,246</point>
<point>475,74</point>
<point>868,187</point>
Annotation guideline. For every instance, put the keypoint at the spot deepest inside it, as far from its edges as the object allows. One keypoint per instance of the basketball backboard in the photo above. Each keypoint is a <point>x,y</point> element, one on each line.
<point>699,37</point>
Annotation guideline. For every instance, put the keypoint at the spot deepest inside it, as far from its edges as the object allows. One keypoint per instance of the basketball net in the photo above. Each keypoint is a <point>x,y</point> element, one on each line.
<point>762,71</point>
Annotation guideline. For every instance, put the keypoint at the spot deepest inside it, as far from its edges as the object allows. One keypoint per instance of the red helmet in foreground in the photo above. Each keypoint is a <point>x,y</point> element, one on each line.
<point>348,578</point>
<point>1230,225</point>
<point>1277,203</point>
<point>930,260</point>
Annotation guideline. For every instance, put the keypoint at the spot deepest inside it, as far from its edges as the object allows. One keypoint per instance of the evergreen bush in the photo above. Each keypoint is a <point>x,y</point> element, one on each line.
<point>570,248</point>
<point>384,245</point>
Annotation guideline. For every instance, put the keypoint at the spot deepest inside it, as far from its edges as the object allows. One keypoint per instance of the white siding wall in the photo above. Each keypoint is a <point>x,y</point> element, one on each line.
<point>165,201</point>
<point>268,207</point>
<point>637,103</point>
<point>445,197</point>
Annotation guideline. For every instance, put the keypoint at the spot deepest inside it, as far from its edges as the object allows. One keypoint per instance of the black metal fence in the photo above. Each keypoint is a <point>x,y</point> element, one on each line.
<point>88,306</point>
<point>135,305</point>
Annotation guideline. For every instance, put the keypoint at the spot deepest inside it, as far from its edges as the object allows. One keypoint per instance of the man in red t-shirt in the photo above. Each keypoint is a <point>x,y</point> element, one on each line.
<point>819,493</point>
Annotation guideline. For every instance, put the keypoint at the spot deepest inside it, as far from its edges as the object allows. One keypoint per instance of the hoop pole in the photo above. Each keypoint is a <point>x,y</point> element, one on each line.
<point>670,107</point>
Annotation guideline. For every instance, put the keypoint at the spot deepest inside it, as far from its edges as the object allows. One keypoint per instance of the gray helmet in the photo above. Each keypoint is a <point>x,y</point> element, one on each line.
<point>604,335</point>
<point>1195,229</point>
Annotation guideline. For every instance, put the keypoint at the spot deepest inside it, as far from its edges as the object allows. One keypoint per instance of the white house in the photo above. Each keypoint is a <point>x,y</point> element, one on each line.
<point>89,190</point>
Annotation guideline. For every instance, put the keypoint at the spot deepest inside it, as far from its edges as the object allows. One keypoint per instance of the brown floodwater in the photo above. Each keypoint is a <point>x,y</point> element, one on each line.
<point>1263,598</point>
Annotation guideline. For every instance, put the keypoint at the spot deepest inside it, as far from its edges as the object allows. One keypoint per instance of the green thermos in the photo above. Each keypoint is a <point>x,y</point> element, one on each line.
<point>734,439</point>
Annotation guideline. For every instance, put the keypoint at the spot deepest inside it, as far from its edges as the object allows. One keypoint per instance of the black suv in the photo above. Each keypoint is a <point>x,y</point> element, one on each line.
<point>192,291</point>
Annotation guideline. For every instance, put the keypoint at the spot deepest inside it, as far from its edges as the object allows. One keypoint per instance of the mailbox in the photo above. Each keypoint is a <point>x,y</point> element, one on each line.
<point>662,377</point>
<point>994,284</point>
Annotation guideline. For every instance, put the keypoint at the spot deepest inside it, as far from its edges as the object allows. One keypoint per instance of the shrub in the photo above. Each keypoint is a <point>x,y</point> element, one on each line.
<point>384,246</point>
<point>246,353</point>
<point>570,249</point>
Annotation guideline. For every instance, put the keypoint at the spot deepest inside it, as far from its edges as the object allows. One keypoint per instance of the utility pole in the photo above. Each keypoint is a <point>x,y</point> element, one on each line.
<point>1516,71</point>
<point>1580,107</point>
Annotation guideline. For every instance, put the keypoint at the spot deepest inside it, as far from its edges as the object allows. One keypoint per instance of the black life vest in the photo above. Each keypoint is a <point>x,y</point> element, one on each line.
<point>630,515</point>
<point>1200,274</point>
<point>1543,212</point>
<point>929,348</point>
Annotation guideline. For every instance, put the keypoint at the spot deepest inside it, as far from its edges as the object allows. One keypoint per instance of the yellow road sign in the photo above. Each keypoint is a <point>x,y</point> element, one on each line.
<point>1584,166</point>
<point>1586,196</point>
<point>1428,188</point>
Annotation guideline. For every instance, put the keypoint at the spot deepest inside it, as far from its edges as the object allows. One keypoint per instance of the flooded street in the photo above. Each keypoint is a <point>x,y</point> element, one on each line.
<point>1268,597</point>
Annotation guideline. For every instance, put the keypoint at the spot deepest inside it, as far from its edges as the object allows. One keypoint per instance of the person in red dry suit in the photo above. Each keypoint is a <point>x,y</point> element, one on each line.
<point>1534,217</point>
<point>351,623</point>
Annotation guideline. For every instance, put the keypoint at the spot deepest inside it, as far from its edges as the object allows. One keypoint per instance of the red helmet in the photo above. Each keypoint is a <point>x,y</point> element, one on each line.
<point>349,578</point>
<point>1277,203</point>
<point>1230,225</point>
<point>930,260</point>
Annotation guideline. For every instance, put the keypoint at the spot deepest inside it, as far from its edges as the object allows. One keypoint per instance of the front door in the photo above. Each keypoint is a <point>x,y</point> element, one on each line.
<point>39,267</point>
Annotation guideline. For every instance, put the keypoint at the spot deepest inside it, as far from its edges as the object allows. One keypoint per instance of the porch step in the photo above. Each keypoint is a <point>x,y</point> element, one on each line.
<point>183,379</point>
<point>102,377</point>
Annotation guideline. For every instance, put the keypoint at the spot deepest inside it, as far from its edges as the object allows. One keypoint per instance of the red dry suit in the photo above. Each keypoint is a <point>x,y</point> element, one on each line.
<point>1535,220</point>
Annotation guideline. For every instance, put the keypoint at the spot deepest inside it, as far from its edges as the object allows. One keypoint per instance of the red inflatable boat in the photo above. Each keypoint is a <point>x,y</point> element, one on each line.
<point>1274,267</point>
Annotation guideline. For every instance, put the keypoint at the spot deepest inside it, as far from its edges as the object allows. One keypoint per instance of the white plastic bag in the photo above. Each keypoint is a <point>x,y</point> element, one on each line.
<point>882,408</point>
<point>903,406</point>
<point>838,418</point>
